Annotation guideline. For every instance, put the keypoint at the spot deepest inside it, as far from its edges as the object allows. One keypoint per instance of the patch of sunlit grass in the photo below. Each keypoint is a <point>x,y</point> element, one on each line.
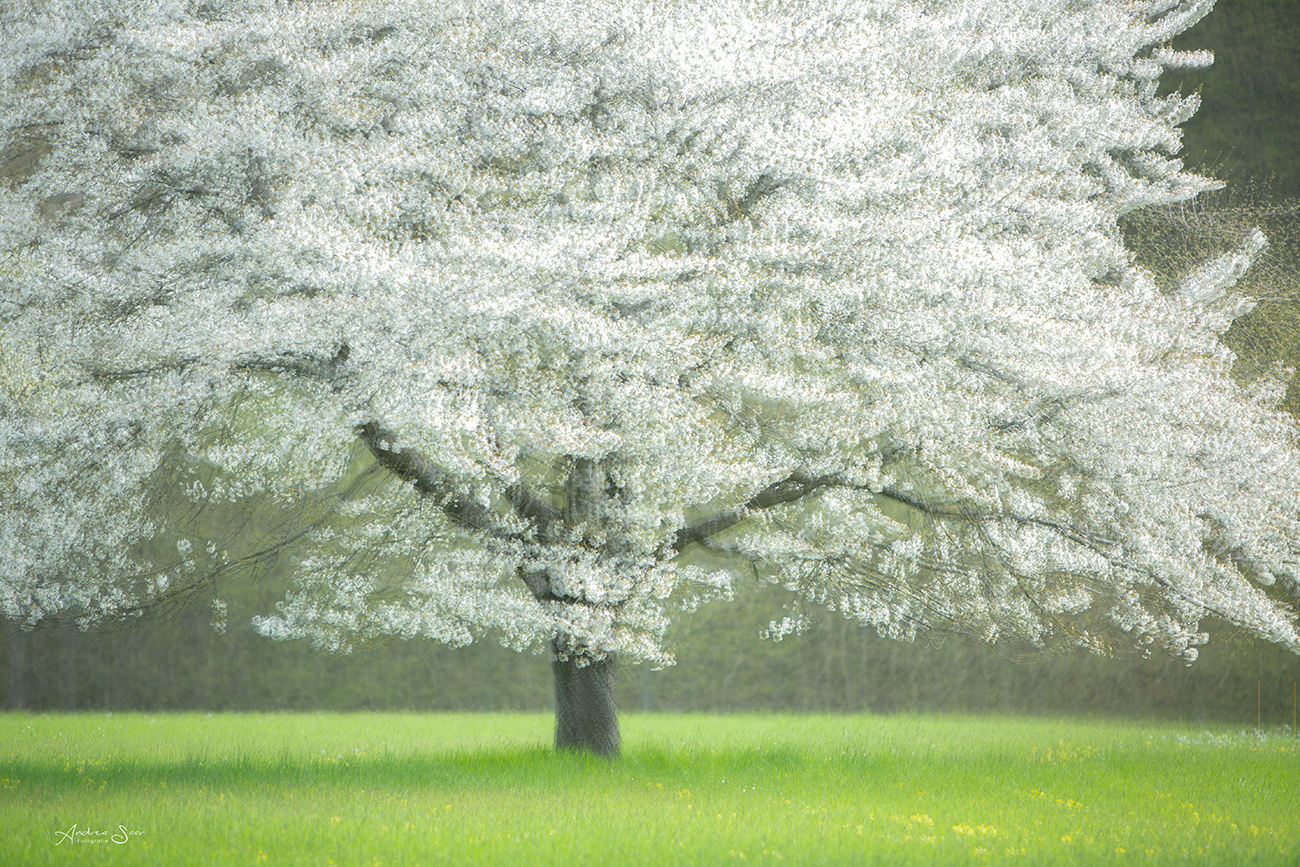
<point>691,789</point>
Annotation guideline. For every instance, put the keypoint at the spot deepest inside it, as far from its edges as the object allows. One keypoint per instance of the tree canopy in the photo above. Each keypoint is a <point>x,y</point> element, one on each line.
<point>544,322</point>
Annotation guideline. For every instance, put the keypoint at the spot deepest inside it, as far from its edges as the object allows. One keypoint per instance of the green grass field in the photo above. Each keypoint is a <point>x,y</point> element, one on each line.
<point>361,789</point>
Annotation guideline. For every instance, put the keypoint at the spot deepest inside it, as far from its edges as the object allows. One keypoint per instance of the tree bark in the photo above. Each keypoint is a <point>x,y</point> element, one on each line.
<point>586,713</point>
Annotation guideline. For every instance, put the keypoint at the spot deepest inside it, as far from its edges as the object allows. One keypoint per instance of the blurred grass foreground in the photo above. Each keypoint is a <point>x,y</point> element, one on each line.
<point>326,788</point>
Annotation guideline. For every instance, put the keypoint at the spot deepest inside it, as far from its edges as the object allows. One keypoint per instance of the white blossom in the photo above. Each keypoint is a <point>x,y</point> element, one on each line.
<point>542,322</point>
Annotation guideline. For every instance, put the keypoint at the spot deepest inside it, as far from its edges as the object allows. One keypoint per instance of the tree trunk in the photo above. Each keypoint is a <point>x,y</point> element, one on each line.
<point>586,713</point>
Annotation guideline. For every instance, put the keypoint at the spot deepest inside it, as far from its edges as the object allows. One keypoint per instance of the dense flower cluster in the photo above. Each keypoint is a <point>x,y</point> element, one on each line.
<point>626,300</point>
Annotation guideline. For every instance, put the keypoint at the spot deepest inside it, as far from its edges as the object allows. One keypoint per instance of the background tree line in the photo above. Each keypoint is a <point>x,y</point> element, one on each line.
<point>1246,134</point>
<point>182,663</point>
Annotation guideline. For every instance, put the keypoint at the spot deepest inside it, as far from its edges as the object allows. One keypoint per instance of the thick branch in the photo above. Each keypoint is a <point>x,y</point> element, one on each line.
<point>427,477</point>
<point>793,487</point>
<point>430,480</point>
<point>1075,534</point>
<point>799,485</point>
<point>298,364</point>
<point>532,508</point>
<point>104,374</point>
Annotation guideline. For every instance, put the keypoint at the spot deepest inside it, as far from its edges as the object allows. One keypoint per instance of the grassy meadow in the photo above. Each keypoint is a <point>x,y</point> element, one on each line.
<point>362,789</point>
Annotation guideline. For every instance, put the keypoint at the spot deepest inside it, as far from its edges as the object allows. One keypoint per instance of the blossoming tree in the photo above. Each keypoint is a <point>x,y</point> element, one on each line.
<point>624,300</point>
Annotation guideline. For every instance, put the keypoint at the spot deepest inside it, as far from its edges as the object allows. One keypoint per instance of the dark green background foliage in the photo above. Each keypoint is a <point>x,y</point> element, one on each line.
<point>1249,122</point>
<point>1247,134</point>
